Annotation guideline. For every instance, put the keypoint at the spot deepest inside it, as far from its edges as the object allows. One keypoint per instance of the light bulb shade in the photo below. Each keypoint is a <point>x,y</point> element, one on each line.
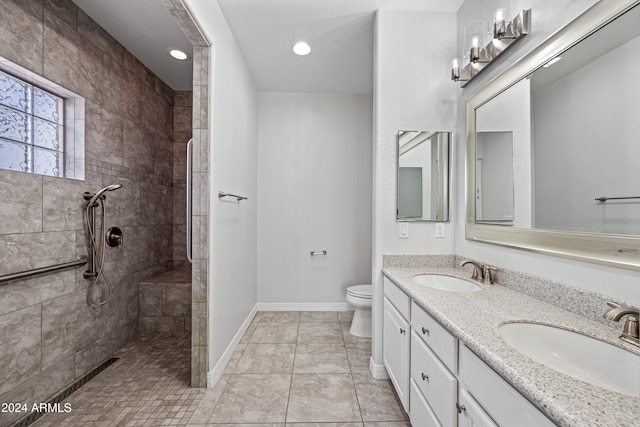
<point>499,14</point>
<point>474,39</point>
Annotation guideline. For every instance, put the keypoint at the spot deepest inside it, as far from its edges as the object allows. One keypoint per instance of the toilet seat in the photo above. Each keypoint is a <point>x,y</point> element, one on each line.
<point>360,291</point>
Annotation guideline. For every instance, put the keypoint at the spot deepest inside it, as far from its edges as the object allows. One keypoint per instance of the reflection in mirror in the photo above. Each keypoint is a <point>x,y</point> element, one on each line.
<point>494,177</point>
<point>552,144</point>
<point>423,176</point>
<point>503,158</point>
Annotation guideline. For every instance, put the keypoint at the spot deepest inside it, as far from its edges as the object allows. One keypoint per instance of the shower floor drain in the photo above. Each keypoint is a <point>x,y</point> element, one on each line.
<point>55,402</point>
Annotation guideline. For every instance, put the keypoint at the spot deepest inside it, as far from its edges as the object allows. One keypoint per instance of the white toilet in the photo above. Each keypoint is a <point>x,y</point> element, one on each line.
<point>360,297</point>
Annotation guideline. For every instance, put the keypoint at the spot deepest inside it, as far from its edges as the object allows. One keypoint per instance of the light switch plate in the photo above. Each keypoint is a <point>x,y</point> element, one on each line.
<point>439,230</point>
<point>403,230</point>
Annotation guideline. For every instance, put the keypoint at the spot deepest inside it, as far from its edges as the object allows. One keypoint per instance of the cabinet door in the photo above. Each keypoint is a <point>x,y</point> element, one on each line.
<point>395,351</point>
<point>470,413</point>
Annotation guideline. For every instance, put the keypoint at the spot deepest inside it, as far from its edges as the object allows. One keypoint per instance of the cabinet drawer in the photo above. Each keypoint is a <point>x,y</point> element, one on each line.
<point>434,380</point>
<point>436,336</point>
<point>421,414</point>
<point>502,402</point>
<point>398,298</point>
<point>472,414</point>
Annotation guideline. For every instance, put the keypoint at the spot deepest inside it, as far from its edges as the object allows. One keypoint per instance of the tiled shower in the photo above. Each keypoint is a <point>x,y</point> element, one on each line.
<point>135,134</point>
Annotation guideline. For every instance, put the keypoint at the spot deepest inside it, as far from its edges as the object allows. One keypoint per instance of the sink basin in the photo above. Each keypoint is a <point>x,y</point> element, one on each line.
<point>446,283</point>
<point>579,356</point>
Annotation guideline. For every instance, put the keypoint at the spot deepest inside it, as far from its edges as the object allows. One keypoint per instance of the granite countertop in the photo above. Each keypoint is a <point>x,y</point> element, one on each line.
<point>474,318</point>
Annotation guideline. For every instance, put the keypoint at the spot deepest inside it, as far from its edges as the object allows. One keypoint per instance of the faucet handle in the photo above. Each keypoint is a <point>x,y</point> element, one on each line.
<point>488,276</point>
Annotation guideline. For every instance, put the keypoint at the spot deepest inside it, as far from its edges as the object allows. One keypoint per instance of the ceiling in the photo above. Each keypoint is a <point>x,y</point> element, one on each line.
<point>340,33</point>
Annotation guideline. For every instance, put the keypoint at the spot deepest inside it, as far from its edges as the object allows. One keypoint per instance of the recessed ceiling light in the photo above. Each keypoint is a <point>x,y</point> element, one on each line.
<point>301,48</point>
<point>178,54</point>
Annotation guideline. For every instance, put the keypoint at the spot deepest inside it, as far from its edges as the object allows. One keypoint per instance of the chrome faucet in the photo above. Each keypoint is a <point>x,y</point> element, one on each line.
<point>481,273</point>
<point>630,333</point>
<point>477,273</point>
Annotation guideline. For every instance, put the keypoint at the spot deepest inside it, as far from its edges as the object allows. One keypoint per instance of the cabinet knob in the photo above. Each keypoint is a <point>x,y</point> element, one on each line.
<point>424,377</point>
<point>402,331</point>
<point>425,331</point>
<point>460,408</point>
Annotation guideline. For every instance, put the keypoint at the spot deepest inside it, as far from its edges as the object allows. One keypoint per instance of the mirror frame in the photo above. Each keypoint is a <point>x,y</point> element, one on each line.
<point>445,186</point>
<point>612,250</point>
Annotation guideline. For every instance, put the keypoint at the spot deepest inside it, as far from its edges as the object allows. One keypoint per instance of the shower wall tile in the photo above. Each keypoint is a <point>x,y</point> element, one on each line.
<point>179,206</point>
<point>91,356</point>
<point>138,70</point>
<point>162,325</point>
<point>122,204</point>
<point>179,242</point>
<point>39,388</point>
<point>19,252</point>
<point>64,9</point>
<point>68,325</point>
<point>28,292</point>
<point>63,204</point>
<point>183,99</point>
<point>21,207</point>
<point>176,299</point>
<point>89,29</point>
<point>20,349</point>
<point>150,302</point>
<point>121,92</point>
<point>104,134</point>
<point>156,114</point>
<point>138,145</point>
<point>70,60</point>
<point>22,33</point>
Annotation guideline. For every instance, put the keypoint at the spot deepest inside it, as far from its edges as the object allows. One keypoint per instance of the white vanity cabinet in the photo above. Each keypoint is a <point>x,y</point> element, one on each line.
<point>440,382</point>
<point>396,339</point>
<point>502,402</point>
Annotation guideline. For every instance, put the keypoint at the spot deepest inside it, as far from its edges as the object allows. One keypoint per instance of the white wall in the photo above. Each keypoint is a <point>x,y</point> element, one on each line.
<point>314,194</point>
<point>232,164</point>
<point>594,151</point>
<point>548,17</point>
<point>412,90</point>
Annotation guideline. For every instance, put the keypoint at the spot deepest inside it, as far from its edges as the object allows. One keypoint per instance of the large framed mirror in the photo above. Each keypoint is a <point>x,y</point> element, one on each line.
<point>552,144</point>
<point>423,170</point>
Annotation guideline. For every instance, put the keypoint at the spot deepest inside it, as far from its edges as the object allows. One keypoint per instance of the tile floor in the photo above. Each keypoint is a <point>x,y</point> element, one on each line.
<point>294,368</point>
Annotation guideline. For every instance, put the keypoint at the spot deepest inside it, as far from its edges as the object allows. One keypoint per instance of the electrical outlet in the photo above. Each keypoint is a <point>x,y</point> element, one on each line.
<point>439,230</point>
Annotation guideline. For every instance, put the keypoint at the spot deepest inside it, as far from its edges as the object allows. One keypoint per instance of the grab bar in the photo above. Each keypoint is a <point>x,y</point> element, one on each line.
<point>222,194</point>
<point>316,253</point>
<point>42,270</point>
<point>189,199</point>
<point>604,199</point>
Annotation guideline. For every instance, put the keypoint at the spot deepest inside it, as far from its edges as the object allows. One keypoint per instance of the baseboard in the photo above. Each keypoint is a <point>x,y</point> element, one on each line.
<point>214,375</point>
<point>338,306</point>
<point>378,372</point>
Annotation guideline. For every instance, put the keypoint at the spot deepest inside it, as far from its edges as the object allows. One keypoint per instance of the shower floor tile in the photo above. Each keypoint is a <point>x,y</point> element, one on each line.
<point>149,385</point>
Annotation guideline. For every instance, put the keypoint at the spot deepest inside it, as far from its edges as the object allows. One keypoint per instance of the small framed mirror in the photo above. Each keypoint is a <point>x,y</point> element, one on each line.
<point>423,175</point>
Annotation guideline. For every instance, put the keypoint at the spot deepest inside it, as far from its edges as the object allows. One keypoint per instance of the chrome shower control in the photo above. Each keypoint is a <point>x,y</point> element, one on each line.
<point>114,237</point>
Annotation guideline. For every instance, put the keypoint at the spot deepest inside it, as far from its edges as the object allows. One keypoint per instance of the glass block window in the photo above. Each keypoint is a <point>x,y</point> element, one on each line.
<point>31,128</point>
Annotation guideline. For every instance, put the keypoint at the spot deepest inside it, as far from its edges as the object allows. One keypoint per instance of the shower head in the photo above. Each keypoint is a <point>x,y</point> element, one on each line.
<point>101,192</point>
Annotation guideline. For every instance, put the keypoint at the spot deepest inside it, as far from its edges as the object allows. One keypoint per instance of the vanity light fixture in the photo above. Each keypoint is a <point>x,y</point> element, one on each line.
<point>301,48</point>
<point>505,34</point>
<point>178,54</point>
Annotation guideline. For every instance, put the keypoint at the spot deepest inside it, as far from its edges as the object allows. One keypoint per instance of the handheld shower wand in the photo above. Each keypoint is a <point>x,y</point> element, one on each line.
<point>93,201</point>
<point>93,197</point>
